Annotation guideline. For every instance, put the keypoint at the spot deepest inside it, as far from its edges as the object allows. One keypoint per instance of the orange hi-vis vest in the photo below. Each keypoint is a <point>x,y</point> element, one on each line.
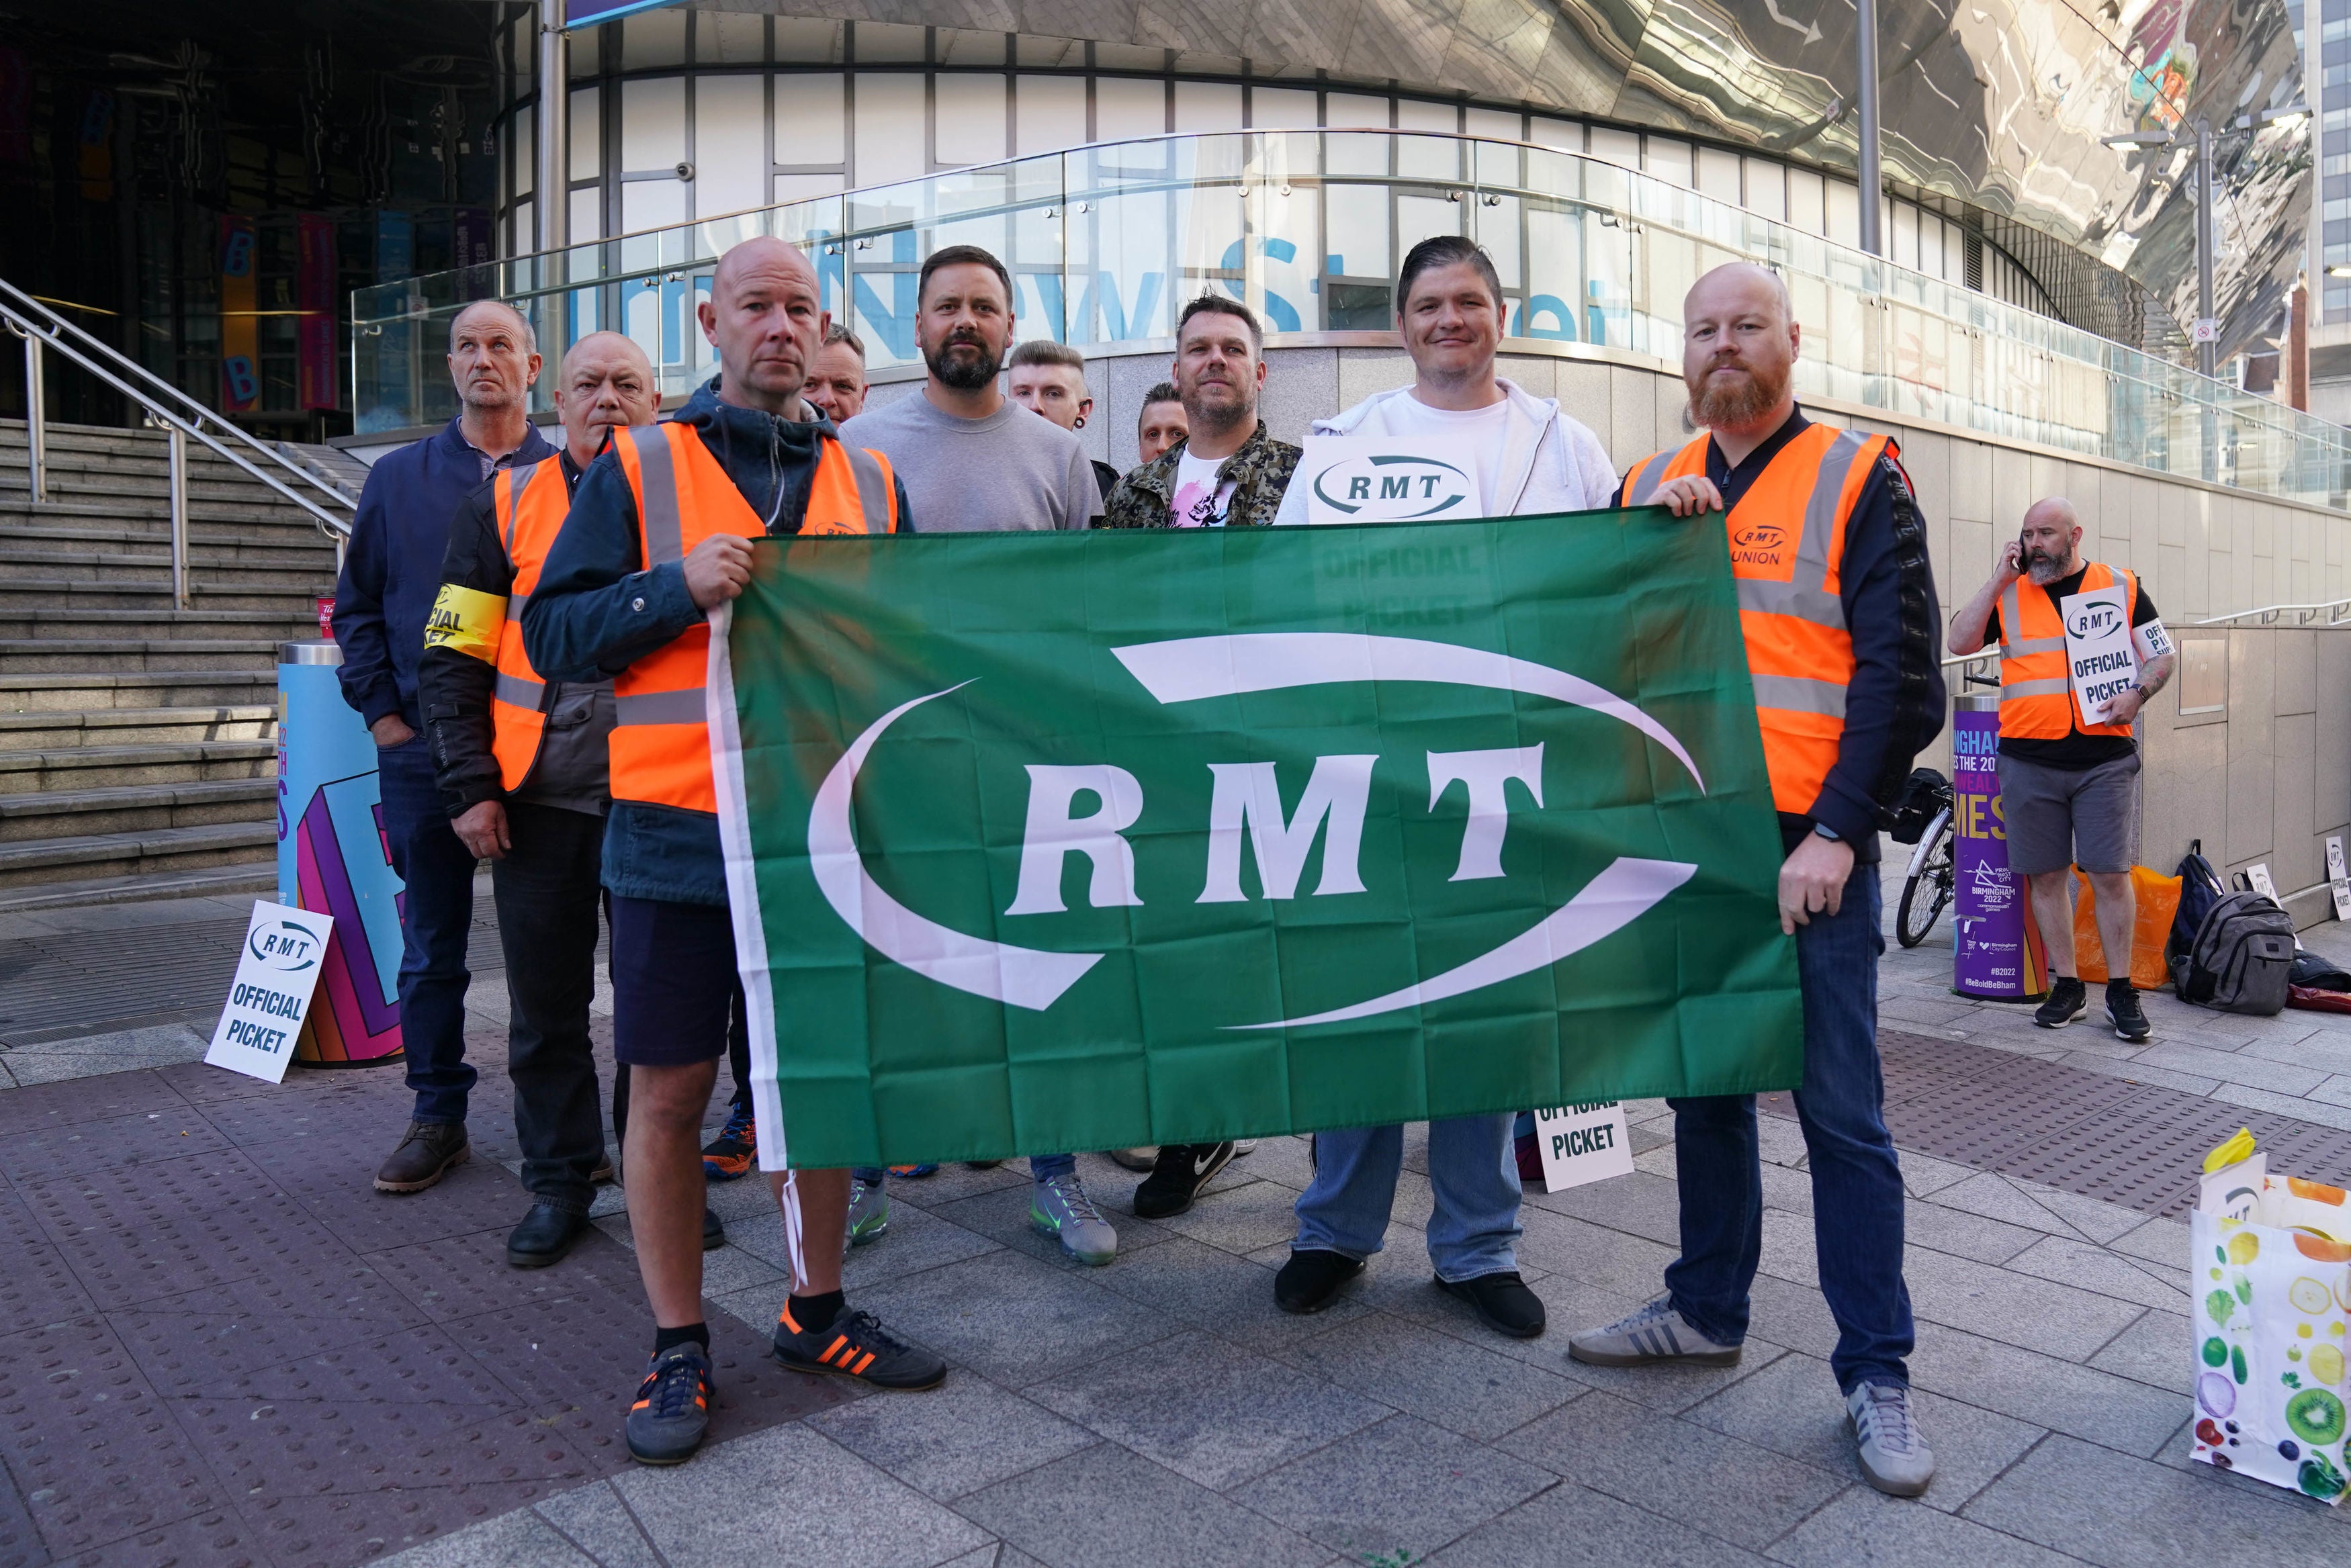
<point>661,742</point>
<point>1787,542</point>
<point>530,506</point>
<point>2036,697</point>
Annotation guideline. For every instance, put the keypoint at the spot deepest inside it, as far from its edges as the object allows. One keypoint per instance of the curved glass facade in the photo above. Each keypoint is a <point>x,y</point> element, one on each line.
<point>1105,243</point>
<point>1996,116</point>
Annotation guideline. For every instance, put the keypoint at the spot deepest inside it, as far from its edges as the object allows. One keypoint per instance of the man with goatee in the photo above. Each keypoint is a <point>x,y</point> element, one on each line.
<point>1837,606</point>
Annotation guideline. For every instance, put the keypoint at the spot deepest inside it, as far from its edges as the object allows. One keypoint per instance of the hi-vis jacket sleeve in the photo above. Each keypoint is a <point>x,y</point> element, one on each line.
<point>455,679</point>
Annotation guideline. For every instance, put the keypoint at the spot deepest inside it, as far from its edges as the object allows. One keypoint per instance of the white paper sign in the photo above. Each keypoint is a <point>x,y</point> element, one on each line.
<point>1378,479</point>
<point>2098,651</point>
<point>2257,877</point>
<point>1583,1143</point>
<point>275,975</point>
<point>2337,875</point>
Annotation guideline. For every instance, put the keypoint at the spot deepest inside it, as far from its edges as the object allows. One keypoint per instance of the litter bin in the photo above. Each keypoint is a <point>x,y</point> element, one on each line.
<point>1996,951</point>
<point>332,857</point>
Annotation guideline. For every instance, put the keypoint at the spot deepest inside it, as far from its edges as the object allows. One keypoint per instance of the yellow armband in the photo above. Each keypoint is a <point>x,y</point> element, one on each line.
<point>467,621</point>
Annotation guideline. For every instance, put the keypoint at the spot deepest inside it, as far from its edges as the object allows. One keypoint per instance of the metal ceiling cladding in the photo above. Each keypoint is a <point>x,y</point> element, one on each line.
<point>2001,104</point>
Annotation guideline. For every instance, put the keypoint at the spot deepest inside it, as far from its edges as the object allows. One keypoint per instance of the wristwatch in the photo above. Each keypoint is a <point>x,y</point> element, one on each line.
<point>1825,830</point>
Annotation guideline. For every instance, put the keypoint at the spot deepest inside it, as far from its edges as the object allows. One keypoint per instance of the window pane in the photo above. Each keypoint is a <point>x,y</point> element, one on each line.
<point>970,119</point>
<point>893,115</point>
<point>652,123</point>
<point>809,120</point>
<point>730,144</point>
<point>1051,112</point>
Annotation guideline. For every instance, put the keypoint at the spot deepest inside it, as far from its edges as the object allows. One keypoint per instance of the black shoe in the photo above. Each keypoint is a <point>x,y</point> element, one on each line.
<point>981,1164</point>
<point>545,1235</point>
<point>713,1231</point>
<point>1177,1176</point>
<point>1310,1279</point>
<point>2067,998</point>
<point>672,1408</point>
<point>2125,1013</point>
<point>858,1349</point>
<point>1501,1302</point>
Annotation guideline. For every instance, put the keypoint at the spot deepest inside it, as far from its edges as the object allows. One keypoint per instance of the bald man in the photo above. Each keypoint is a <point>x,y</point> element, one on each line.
<point>391,576</point>
<point>659,535</point>
<point>522,769</point>
<point>1837,609</point>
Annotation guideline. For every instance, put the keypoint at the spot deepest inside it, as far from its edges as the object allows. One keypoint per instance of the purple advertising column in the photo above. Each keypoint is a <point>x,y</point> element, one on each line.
<point>1995,951</point>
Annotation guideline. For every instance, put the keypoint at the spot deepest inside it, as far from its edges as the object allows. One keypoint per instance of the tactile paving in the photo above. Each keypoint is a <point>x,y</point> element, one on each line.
<point>93,1450</point>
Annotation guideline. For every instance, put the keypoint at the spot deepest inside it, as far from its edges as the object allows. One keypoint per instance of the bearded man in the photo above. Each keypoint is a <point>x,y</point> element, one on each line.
<point>2069,788</point>
<point>1834,601</point>
<point>974,461</point>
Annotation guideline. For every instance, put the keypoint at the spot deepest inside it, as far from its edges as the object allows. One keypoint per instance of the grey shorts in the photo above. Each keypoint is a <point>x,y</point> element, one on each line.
<point>2057,817</point>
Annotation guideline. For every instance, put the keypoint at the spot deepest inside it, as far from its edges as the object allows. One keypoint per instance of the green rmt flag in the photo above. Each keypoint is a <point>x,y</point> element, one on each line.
<point>1041,841</point>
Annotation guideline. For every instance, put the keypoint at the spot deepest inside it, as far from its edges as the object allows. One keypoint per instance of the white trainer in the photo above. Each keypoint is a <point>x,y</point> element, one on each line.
<point>1893,1455</point>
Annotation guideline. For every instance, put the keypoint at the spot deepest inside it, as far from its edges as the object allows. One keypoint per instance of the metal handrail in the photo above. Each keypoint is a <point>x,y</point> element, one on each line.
<point>2337,613</point>
<point>42,327</point>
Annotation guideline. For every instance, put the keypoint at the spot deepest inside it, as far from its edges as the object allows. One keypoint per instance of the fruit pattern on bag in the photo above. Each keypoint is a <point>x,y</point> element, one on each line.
<point>2272,1326</point>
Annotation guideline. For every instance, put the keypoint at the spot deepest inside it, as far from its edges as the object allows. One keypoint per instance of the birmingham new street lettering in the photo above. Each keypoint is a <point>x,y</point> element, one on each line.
<point>1047,841</point>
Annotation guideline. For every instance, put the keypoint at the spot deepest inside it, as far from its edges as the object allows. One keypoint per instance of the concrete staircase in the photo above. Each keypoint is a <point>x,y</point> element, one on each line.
<point>138,741</point>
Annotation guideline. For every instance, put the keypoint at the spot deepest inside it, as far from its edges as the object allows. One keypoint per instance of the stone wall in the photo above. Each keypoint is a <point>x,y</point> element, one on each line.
<point>2264,778</point>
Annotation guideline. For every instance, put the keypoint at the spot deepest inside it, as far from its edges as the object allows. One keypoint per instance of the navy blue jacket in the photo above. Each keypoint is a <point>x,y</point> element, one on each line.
<point>597,610</point>
<point>391,569</point>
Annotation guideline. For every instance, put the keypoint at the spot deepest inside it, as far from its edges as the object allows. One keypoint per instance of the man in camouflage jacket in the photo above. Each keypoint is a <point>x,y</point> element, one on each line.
<point>1220,370</point>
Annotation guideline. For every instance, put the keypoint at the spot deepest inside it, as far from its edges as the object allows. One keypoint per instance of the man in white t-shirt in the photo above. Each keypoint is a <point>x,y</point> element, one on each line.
<point>1531,460</point>
<point>1225,471</point>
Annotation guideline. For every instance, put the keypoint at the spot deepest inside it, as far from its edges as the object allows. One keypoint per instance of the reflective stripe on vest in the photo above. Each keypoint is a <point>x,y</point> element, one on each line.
<point>660,740</point>
<point>1790,609</point>
<point>2036,696</point>
<point>531,503</point>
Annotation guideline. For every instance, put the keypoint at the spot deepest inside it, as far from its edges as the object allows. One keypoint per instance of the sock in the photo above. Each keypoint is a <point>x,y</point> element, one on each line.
<point>815,1313</point>
<point>2119,986</point>
<point>670,1338</point>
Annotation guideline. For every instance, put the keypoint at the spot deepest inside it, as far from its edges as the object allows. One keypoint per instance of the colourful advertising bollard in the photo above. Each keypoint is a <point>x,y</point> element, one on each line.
<point>1995,951</point>
<point>332,857</point>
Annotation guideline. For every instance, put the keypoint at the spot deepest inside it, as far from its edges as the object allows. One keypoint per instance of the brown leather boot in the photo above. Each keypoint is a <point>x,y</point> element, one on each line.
<point>424,1156</point>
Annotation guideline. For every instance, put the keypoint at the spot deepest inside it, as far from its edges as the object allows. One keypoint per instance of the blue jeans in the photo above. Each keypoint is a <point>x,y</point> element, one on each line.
<point>1472,1170</point>
<point>1041,1168</point>
<point>1856,1185</point>
<point>437,914</point>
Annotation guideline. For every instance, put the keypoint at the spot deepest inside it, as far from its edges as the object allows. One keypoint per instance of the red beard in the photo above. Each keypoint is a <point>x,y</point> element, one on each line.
<point>1720,404</point>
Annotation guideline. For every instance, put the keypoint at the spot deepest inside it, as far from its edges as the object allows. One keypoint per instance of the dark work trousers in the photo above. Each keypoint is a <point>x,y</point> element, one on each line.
<point>738,1061</point>
<point>546,894</point>
<point>436,916</point>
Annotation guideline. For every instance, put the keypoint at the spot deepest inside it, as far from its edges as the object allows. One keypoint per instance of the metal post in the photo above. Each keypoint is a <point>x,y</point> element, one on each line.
<point>1873,182</point>
<point>2207,352</point>
<point>179,439</point>
<point>37,418</point>
<point>553,205</point>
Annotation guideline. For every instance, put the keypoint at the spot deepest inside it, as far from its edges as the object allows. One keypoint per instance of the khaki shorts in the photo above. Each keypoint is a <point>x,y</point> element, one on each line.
<point>2057,817</point>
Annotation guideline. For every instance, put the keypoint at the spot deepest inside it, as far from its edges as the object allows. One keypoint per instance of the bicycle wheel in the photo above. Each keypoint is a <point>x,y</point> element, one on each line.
<point>1925,894</point>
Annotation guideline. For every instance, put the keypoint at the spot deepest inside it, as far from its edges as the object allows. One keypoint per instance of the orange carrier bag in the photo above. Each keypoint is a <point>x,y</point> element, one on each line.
<point>2155,899</point>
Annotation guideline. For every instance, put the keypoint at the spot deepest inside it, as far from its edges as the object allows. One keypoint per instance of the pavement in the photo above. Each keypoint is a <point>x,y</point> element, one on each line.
<point>229,1350</point>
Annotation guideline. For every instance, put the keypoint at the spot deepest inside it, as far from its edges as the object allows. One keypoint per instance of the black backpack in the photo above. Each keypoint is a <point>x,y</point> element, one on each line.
<point>2242,959</point>
<point>1922,798</point>
<point>2199,888</point>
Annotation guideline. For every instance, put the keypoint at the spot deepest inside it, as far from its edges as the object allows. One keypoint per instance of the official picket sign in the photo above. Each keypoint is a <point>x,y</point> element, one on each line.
<point>1583,1144</point>
<point>2099,653</point>
<point>2337,878</point>
<point>275,976</point>
<point>1366,479</point>
<point>2257,877</point>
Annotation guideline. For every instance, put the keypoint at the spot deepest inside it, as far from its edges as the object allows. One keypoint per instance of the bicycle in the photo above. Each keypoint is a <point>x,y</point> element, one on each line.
<point>1927,888</point>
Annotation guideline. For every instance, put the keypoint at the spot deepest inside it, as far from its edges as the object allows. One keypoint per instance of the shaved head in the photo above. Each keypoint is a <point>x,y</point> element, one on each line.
<point>2047,542</point>
<point>1739,351</point>
<point>487,310</point>
<point>605,381</point>
<point>603,345</point>
<point>765,315</point>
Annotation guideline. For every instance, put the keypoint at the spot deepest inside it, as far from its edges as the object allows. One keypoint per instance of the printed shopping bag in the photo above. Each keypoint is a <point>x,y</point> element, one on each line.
<point>2272,1283</point>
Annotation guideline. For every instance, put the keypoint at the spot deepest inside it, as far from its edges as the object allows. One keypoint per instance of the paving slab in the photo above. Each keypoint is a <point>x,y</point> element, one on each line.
<point>1210,1412</point>
<point>958,1438</point>
<point>1012,1318</point>
<point>1572,1526</point>
<point>1395,1491</point>
<point>1861,1526</point>
<point>1109,1508</point>
<point>1464,1388</point>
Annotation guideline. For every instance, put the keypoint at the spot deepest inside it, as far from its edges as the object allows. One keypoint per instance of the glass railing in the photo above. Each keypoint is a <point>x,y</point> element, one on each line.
<point>1106,242</point>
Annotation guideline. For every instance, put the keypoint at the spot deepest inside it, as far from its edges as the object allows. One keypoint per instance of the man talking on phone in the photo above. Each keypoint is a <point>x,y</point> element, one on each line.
<point>2069,789</point>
